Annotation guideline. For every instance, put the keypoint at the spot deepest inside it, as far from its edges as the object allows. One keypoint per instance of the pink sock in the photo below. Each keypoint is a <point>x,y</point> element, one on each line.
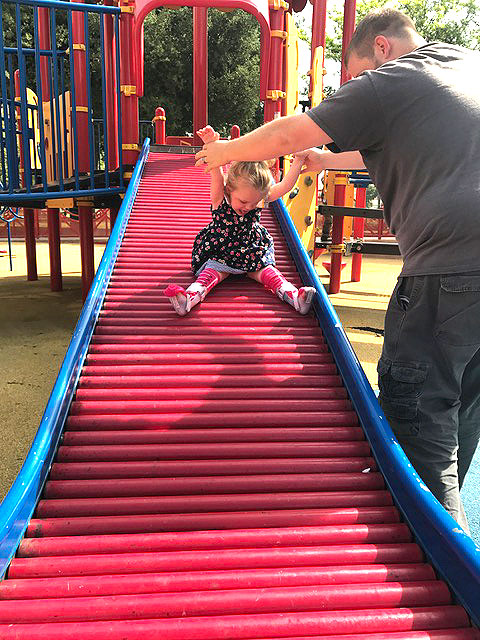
<point>272,279</point>
<point>209,278</point>
<point>300,299</point>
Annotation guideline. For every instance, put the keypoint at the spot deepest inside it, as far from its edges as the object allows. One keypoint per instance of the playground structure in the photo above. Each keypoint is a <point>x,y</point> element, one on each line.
<point>224,475</point>
<point>88,151</point>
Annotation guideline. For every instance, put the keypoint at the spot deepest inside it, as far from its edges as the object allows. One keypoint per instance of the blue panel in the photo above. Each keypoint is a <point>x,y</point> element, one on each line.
<point>450,550</point>
<point>19,504</point>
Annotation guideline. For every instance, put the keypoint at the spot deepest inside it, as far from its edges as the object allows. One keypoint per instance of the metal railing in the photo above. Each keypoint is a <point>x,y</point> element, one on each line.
<point>59,71</point>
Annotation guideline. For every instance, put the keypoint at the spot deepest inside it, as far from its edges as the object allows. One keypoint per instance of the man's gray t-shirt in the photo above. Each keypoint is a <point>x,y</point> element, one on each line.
<point>416,122</point>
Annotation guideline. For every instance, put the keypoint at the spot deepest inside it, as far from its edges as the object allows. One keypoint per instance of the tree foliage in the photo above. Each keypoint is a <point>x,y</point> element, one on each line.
<point>453,21</point>
<point>233,69</point>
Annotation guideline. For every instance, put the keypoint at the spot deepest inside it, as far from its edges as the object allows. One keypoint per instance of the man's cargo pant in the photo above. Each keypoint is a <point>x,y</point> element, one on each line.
<point>429,378</point>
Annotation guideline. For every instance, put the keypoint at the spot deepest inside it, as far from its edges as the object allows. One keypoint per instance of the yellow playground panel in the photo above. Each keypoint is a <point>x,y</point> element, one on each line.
<point>303,205</point>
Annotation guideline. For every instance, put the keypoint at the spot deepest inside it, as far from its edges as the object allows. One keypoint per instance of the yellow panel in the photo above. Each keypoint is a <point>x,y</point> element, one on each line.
<point>317,77</point>
<point>291,99</point>
<point>50,125</point>
<point>303,206</point>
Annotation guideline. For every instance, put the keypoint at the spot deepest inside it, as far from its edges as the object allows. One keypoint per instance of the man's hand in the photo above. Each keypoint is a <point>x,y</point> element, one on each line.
<point>315,160</point>
<point>213,155</point>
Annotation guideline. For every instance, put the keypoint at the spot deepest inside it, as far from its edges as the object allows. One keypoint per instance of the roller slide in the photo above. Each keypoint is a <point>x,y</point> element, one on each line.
<point>225,475</point>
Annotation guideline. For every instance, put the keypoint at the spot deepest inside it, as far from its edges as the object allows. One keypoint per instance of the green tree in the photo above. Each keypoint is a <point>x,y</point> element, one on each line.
<point>453,21</point>
<point>233,69</point>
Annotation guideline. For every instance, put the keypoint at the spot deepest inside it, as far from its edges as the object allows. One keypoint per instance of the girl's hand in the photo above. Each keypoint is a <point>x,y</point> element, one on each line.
<point>301,155</point>
<point>208,134</point>
<point>213,155</point>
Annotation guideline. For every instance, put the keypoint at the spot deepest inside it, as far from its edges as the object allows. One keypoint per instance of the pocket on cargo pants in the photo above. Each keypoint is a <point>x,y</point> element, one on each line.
<point>401,385</point>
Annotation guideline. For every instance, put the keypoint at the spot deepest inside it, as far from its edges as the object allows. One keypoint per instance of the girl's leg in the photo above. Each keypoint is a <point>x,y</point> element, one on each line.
<point>183,301</point>
<point>271,278</point>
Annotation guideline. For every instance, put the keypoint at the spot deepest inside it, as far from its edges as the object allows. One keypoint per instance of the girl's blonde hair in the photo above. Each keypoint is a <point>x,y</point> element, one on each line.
<point>257,174</point>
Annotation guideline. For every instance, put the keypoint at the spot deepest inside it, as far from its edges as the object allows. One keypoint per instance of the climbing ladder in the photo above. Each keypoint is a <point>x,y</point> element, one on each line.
<point>213,481</point>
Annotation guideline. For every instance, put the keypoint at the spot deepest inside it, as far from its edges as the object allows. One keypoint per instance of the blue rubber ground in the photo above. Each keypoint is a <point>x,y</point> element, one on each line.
<point>471,497</point>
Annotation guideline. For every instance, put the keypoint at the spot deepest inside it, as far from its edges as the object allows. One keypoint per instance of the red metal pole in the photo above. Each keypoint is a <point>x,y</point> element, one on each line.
<point>110,98</point>
<point>337,239</point>
<point>200,71</point>
<point>53,220</point>
<point>80,79</point>
<point>337,231</point>
<point>358,229</point>
<point>30,247</point>
<point>234,132</point>
<point>348,29</point>
<point>45,44</point>
<point>129,98</point>
<point>160,125</point>
<point>319,20</point>
<point>85,218</point>
<point>275,93</point>
<point>113,217</point>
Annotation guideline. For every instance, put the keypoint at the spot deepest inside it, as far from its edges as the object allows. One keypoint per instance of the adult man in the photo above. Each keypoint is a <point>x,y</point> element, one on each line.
<point>411,115</point>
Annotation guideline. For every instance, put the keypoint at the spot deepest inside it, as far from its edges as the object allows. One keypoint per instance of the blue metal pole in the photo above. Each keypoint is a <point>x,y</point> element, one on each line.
<point>104,101</point>
<point>23,104</point>
<point>119,102</point>
<point>41,124</point>
<point>91,142</point>
<point>59,146</point>
<point>74,101</point>
<point>57,4</point>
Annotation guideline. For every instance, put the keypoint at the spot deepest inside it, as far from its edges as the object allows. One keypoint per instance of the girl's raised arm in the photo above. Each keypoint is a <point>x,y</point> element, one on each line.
<point>284,186</point>
<point>217,179</point>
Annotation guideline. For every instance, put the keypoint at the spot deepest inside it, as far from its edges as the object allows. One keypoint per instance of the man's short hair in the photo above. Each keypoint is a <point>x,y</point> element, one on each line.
<point>386,22</point>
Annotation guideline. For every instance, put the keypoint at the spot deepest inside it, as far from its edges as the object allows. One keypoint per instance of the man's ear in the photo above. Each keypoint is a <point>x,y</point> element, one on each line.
<point>382,48</point>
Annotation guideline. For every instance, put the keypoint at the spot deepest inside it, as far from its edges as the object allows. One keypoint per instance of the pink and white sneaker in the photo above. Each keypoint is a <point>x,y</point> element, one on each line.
<point>300,299</point>
<point>184,300</point>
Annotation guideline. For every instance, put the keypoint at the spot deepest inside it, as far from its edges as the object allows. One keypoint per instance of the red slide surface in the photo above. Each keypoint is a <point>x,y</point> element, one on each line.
<point>213,481</point>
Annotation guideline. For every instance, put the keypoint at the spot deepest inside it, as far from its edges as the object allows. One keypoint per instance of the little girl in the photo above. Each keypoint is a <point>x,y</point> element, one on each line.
<point>235,241</point>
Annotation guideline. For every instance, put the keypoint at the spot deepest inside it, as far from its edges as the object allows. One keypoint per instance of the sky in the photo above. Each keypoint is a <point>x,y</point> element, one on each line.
<point>332,77</point>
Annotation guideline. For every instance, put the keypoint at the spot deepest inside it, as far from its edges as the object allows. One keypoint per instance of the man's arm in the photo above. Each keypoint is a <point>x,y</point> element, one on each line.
<point>318,160</point>
<point>276,138</point>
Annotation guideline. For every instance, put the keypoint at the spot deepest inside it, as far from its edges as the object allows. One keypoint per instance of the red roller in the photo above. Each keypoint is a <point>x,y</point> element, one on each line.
<point>138,436</point>
<point>192,503</point>
<point>206,485</point>
<point>212,451</point>
<point>210,393</point>
<point>245,627</point>
<point>240,601</point>
<point>204,419</point>
<point>308,536</point>
<point>209,580</point>
<point>191,468</point>
<point>108,525</point>
<point>144,407</point>
<point>209,381</point>
<point>214,560</point>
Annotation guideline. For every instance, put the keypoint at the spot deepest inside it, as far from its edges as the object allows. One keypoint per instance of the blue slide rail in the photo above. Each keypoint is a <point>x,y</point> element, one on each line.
<point>452,552</point>
<point>19,504</point>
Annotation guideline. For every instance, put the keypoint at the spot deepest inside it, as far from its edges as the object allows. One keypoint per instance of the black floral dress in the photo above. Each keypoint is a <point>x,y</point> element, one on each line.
<point>233,243</point>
